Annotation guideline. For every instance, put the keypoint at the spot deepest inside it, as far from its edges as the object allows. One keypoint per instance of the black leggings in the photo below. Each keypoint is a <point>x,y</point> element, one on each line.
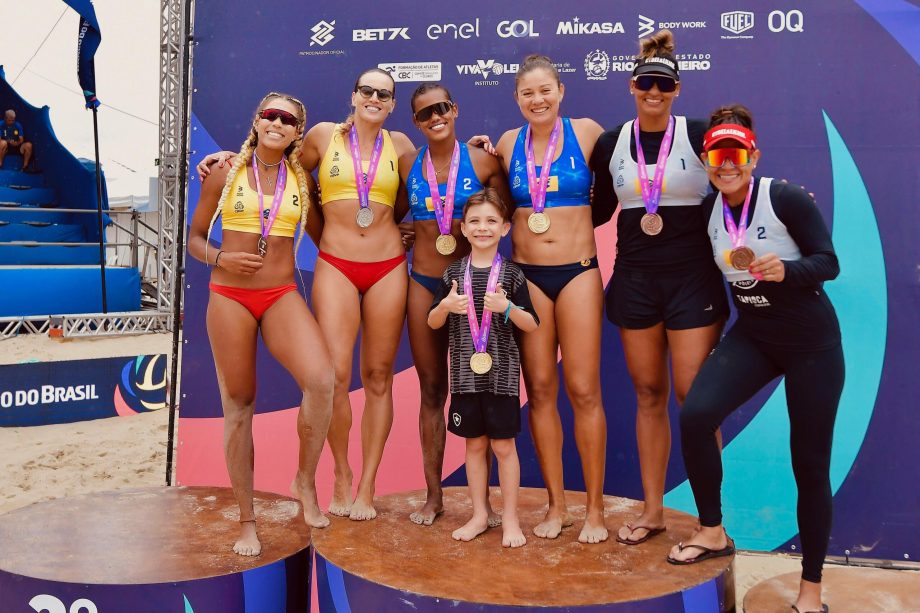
<point>737,368</point>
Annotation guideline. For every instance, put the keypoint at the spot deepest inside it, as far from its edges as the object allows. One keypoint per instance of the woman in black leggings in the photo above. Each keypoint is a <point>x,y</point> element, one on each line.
<point>775,251</point>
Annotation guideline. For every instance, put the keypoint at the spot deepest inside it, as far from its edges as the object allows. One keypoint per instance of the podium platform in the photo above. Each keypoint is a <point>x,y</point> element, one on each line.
<point>391,564</point>
<point>846,590</point>
<point>161,550</point>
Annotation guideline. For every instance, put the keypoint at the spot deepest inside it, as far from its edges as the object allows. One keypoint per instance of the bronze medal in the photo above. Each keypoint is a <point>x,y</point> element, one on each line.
<point>263,246</point>
<point>538,223</point>
<point>741,257</point>
<point>445,244</point>
<point>652,224</point>
<point>481,362</point>
<point>365,217</point>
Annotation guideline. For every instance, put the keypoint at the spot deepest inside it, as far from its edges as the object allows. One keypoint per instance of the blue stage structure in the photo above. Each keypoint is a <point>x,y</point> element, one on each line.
<point>48,244</point>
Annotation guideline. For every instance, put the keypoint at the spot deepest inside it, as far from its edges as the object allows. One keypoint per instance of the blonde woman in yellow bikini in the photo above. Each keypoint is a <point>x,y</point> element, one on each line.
<point>361,276</point>
<point>263,198</point>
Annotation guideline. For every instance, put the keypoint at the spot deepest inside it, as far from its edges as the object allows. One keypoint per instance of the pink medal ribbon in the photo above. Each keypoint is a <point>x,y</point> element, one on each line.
<point>651,194</point>
<point>480,335</point>
<point>364,181</point>
<point>740,257</point>
<point>443,208</point>
<point>276,203</point>
<point>539,186</point>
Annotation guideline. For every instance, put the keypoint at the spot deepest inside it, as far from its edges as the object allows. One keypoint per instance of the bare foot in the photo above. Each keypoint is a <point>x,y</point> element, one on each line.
<point>592,532</point>
<point>494,520</point>
<point>305,491</point>
<point>512,536</point>
<point>429,512</point>
<point>341,496</point>
<point>552,524</point>
<point>471,529</point>
<point>248,544</point>
<point>362,511</point>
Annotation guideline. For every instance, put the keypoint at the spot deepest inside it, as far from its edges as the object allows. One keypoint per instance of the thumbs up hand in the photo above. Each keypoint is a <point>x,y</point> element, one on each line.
<point>496,301</point>
<point>455,303</point>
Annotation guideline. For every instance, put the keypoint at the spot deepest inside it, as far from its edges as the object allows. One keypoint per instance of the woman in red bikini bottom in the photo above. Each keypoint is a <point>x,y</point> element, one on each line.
<point>263,198</point>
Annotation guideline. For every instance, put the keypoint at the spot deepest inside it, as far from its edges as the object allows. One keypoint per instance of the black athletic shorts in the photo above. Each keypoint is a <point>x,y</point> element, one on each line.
<point>484,414</point>
<point>639,299</point>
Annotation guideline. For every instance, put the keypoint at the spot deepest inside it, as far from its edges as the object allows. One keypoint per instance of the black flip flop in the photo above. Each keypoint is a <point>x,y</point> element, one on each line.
<point>824,609</point>
<point>706,555</point>
<point>650,532</point>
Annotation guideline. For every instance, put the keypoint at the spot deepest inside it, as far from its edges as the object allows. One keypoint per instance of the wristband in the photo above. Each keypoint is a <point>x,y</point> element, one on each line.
<point>510,306</point>
<point>217,259</point>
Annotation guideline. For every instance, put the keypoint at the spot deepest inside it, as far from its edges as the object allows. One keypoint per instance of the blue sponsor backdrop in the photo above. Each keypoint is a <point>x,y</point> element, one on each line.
<point>833,86</point>
<point>39,393</point>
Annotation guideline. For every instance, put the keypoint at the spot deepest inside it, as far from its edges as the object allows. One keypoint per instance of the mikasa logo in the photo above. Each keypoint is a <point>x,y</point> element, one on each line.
<point>576,27</point>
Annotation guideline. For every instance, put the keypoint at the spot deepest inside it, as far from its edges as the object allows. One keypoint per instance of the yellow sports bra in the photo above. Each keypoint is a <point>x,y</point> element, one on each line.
<point>242,208</point>
<point>337,174</point>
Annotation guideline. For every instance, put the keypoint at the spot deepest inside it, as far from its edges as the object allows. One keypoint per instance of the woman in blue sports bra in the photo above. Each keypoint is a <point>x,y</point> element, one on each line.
<point>436,246</point>
<point>553,243</point>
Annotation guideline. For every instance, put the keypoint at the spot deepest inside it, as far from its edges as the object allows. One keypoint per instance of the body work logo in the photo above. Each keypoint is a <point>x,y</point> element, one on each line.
<point>648,26</point>
<point>322,33</point>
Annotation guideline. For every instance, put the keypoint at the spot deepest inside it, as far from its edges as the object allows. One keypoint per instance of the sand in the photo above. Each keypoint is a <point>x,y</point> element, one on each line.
<point>44,462</point>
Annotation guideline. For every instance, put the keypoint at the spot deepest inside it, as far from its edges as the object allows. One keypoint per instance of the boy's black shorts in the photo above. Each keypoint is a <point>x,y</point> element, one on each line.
<point>484,414</point>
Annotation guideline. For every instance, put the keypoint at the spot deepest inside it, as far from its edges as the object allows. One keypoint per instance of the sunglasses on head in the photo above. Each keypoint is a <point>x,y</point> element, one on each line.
<point>439,108</point>
<point>367,91</point>
<point>286,118</point>
<point>716,158</point>
<point>645,82</point>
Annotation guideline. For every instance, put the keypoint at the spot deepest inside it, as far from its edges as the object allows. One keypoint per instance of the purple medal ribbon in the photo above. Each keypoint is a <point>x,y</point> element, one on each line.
<point>363,182</point>
<point>736,233</point>
<point>480,336</point>
<point>276,201</point>
<point>651,195</point>
<point>539,186</point>
<point>443,209</point>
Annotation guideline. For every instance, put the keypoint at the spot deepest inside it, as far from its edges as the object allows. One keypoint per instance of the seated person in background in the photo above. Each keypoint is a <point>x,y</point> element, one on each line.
<point>12,139</point>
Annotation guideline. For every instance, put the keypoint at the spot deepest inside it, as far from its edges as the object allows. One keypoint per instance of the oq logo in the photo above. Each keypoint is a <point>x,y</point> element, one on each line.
<point>516,29</point>
<point>790,21</point>
<point>322,33</point>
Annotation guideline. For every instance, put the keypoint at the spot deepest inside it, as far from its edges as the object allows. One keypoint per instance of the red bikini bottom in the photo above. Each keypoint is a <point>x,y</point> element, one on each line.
<point>256,301</point>
<point>363,275</point>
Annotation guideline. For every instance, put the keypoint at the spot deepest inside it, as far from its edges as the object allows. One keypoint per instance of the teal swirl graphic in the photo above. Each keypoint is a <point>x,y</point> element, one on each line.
<point>758,471</point>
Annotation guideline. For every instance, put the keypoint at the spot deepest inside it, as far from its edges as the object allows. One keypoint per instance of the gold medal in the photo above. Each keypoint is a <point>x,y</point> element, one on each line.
<point>481,362</point>
<point>652,224</point>
<point>741,257</point>
<point>365,217</point>
<point>445,244</point>
<point>263,246</point>
<point>538,223</point>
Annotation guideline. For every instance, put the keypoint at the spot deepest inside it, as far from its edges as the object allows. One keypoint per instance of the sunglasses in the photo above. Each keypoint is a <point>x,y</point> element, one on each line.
<point>647,81</point>
<point>272,114</point>
<point>716,158</point>
<point>367,91</point>
<point>438,108</point>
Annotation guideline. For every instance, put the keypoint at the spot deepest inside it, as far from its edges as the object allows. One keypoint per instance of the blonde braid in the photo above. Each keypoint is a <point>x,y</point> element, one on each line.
<point>305,202</point>
<point>240,161</point>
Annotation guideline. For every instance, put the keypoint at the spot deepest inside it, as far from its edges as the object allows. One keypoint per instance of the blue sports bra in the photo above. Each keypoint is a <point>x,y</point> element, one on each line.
<point>569,177</point>
<point>420,194</point>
